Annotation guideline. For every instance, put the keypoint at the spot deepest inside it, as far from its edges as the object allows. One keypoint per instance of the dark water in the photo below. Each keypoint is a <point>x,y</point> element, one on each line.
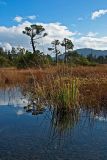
<point>49,135</point>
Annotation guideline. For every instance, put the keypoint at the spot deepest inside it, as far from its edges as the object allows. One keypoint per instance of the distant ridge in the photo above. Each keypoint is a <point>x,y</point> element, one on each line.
<point>86,51</point>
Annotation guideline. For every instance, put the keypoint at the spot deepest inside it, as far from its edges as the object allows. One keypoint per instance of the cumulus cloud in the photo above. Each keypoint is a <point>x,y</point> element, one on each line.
<point>14,36</point>
<point>92,34</point>
<point>6,46</point>
<point>18,19</point>
<point>32,17</point>
<point>56,31</point>
<point>98,14</point>
<point>91,40</point>
<point>99,43</point>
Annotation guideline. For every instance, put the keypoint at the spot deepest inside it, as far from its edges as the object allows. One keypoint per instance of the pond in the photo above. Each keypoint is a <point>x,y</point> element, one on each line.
<point>49,133</point>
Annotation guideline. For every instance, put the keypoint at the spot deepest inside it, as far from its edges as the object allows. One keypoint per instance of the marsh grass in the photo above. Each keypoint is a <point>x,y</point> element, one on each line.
<point>60,85</point>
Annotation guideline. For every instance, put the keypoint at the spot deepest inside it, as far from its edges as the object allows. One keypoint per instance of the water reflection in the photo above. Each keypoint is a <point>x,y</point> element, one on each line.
<point>11,96</point>
<point>92,100</point>
<point>35,128</point>
<point>91,103</point>
<point>62,123</point>
<point>91,97</point>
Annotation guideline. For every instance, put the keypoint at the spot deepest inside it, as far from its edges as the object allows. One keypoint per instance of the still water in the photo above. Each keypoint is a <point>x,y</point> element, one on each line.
<point>49,134</point>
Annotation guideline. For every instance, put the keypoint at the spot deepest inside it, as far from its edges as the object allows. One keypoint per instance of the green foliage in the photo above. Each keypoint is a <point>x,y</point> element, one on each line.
<point>55,44</point>
<point>4,62</point>
<point>99,60</point>
<point>21,58</point>
<point>73,58</point>
<point>68,94</point>
<point>67,43</point>
<point>35,32</point>
<point>33,60</point>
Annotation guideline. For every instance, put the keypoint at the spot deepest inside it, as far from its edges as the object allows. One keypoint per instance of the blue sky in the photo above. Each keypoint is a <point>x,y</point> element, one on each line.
<point>76,15</point>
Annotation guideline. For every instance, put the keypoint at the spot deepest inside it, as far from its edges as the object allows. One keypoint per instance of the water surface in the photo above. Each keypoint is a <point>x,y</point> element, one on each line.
<point>49,134</point>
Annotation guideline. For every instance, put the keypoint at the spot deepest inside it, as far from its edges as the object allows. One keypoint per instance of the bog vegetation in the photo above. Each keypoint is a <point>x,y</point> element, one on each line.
<point>62,82</point>
<point>63,53</point>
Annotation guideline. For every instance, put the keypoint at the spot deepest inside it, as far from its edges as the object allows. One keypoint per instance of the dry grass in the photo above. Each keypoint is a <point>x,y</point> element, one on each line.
<point>61,85</point>
<point>13,75</point>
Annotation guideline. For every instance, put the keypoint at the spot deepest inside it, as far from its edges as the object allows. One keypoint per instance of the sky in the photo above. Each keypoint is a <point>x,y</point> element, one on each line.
<point>82,21</point>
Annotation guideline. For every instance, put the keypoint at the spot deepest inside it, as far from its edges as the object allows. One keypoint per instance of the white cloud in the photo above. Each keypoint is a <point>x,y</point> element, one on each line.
<point>92,34</point>
<point>18,19</point>
<point>32,17</point>
<point>98,13</point>
<point>12,36</point>
<point>6,46</point>
<point>99,43</point>
<point>56,31</point>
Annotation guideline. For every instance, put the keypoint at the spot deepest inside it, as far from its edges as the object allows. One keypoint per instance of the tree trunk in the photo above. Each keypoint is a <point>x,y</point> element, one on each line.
<point>65,58</point>
<point>56,58</point>
<point>56,54</point>
<point>33,46</point>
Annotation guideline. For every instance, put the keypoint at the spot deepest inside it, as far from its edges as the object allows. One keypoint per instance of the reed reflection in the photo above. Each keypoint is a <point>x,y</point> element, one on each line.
<point>90,98</point>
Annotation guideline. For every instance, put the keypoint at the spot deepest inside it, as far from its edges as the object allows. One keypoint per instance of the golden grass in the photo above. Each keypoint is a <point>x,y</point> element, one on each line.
<point>60,85</point>
<point>14,75</point>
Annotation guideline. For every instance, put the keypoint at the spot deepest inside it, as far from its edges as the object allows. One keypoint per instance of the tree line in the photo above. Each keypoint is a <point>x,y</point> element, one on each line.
<point>21,58</point>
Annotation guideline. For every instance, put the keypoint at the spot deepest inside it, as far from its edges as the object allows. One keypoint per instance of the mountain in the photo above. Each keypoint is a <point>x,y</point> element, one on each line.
<point>86,51</point>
